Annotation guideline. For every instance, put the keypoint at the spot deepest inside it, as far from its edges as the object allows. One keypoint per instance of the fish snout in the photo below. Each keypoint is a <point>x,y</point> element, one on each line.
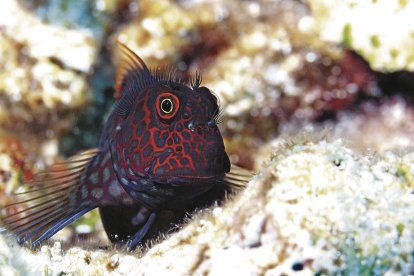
<point>216,160</point>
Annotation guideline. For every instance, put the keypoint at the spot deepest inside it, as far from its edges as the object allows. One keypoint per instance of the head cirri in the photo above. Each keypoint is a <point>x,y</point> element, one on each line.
<point>163,129</point>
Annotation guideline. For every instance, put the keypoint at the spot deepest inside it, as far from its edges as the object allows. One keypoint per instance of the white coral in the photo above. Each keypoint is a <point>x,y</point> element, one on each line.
<point>315,207</point>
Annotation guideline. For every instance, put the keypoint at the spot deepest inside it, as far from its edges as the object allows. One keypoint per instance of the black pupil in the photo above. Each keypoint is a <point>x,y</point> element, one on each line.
<point>166,106</point>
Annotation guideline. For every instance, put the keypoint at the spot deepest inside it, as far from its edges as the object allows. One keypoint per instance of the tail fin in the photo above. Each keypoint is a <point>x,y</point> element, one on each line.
<point>50,202</point>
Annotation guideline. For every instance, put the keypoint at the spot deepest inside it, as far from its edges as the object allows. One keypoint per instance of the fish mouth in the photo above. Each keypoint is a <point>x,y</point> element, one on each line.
<point>186,188</point>
<point>190,180</point>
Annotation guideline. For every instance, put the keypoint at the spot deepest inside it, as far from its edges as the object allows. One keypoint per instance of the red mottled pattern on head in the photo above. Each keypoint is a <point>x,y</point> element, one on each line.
<point>148,142</point>
<point>188,146</point>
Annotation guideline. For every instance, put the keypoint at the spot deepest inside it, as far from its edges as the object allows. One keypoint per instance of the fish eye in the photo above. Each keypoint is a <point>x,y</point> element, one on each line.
<point>167,105</point>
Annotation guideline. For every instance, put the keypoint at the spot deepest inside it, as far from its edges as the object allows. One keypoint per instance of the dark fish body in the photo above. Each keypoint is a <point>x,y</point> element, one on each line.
<point>160,155</point>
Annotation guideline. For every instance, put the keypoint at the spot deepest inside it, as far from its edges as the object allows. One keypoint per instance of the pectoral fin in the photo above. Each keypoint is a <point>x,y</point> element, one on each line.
<point>50,202</point>
<point>127,224</point>
<point>140,234</point>
<point>237,178</point>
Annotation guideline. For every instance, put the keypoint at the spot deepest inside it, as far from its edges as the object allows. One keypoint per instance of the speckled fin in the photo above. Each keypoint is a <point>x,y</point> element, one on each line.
<point>130,64</point>
<point>50,202</point>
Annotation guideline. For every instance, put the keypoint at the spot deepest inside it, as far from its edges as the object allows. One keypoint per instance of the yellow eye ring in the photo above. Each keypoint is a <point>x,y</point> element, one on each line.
<point>167,106</point>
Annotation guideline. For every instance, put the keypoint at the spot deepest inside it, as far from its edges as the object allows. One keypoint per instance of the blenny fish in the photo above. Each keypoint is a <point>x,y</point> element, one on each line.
<point>160,150</point>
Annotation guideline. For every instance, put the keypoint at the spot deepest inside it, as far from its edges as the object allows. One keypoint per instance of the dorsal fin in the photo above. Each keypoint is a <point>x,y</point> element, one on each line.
<point>129,64</point>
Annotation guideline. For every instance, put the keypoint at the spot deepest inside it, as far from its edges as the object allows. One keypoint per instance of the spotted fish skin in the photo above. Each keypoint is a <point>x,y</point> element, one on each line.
<point>160,151</point>
<point>101,185</point>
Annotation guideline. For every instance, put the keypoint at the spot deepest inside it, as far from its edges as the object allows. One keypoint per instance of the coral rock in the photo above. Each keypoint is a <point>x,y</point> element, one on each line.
<point>316,207</point>
<point>384,38</point>
<point>43,69</point>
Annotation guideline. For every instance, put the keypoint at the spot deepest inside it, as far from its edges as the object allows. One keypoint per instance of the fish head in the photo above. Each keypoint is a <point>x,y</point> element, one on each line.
<point>167,129</point>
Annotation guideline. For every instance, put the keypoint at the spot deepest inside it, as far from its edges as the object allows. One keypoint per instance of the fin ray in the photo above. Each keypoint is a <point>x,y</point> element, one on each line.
<point>237,178</point>
<point>34,220</point>
<point>129,63</point>
<point>53,179</point>
<point>53,192</point>
<point>52,200</point>
<point>62,223</point>
<point>54,170</point>
<point>45,187</point>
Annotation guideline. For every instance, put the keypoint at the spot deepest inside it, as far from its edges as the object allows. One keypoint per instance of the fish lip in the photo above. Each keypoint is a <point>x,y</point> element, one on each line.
<point>176,180</point>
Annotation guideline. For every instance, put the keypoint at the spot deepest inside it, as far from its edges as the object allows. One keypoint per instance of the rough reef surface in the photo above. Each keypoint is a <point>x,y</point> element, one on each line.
<point>43,67</point>
<point>382,31</point>
<point>315,207</point>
